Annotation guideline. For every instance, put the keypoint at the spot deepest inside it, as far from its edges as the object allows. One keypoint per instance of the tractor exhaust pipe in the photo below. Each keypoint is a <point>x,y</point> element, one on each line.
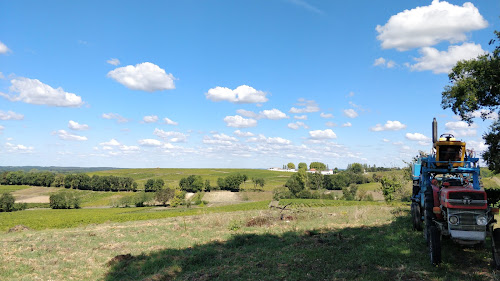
<point>434,132</point>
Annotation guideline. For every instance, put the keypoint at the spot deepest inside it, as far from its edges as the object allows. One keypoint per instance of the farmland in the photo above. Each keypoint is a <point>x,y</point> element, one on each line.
<point>342,240</point>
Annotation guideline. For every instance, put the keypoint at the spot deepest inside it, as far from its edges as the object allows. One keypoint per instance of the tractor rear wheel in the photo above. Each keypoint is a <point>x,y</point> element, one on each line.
<point>416,216</point>
<point>435,245</point>
<point>495,247</point>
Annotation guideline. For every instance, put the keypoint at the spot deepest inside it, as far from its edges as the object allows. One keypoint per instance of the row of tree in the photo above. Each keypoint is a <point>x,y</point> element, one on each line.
<point>74,181</point>
<point>195,183</point>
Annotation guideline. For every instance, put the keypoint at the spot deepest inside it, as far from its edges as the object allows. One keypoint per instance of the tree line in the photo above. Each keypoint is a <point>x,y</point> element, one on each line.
<point>73,181</point>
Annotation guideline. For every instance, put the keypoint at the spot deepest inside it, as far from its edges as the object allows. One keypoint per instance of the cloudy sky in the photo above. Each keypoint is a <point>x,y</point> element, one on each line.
<point>237,84</point>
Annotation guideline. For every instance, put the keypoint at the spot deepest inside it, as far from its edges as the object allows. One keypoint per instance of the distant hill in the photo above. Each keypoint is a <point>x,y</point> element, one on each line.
<point>64,170</point>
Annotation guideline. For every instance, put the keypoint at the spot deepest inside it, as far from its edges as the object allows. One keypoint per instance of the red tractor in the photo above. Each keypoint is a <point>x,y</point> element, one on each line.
<point>448,199</point>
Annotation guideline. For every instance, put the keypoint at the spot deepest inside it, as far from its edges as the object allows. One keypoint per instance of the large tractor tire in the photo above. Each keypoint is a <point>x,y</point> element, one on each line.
<point>495,248</point>
<point>416,216</point>
<point>435,245</point>
<point>428,215</point>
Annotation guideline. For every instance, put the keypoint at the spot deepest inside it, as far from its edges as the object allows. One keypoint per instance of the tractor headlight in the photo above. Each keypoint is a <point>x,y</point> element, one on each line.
<point>453,220</point>
<point>481,220</point>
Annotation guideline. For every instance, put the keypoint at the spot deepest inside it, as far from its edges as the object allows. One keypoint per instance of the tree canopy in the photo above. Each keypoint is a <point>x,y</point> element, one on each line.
<point>475,92</point>
<point>475,85</point>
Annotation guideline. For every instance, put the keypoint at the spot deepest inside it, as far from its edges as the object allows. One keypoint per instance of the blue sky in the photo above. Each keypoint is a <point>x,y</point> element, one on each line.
<point>236,84</point>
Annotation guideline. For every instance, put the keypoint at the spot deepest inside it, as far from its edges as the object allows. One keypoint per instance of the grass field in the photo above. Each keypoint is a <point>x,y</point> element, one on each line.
<point>12,188</point>
<point>343,242</point>
<point>173,176</point>
<point>48,218</point>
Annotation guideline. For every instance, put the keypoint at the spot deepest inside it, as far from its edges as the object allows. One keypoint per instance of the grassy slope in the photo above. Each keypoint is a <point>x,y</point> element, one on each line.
<point>12,188</point>
<point>370,242</point>
<point>172,176</point>
<point>48,218</point>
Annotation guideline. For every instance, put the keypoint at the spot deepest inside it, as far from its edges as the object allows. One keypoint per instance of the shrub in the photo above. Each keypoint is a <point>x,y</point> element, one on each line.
<point>7,202</point>
<point>350,192</point>
<point>178,198</point>
<point>64,200</point>
<point>140,199</point>
<point>164,195</point>
<point>282,193</point>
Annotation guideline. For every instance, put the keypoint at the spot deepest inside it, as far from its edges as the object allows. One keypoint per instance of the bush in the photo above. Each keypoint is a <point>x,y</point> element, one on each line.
<point>164,195</point>
<point>178,198</point>
<point>7,202</point>
<point>140,199</point>
<point>282,193</point>
<point>64,200</point>
<point>350,192</point>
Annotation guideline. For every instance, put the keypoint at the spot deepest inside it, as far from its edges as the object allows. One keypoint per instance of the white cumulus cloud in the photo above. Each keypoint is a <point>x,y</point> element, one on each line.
<point>170,136</point>
<point>13,148</point>
<point>117,117</point>
<point>416,137</point>
<point>384,63</point>
<point>64,135</point>
<point>389,126</point>
<point>273,114</point>
<point>112,142</point>
<point>443,61</point>
<point>321,135</point>
<point>239,122</point>
<point>297,125</point>
<point>347,124</point>
<point>113,61</point>
<point>3,48</point>
<point>307,106</point>
<point>76,126</point>
<point>243,134</point>
<point>149,142</point>
<point>33,91</point>
<point>351,113</point>
<point>300,117</point>
<point>326,115</point>
<point>269,140</point>
<point>242,94</point>
<point>10,115</point>
<point>428,25</point>
<point>150,119</point>
<point>459,125</point>
<point>168,121</point>
<point>144,76</point>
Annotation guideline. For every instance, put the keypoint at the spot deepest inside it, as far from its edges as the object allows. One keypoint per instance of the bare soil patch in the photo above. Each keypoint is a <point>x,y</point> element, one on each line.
<point>36,194</point>
<point>222,197</point>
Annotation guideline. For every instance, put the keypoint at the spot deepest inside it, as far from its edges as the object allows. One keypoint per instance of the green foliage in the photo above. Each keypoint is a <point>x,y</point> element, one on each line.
<point>231,182</point>
<point>350,192</point>
<point>389,187</point>
<point>282,193</point>
<point>492,140</point>
<point>315,181</point>
<point>290,165</point>
<point>178,198</point>
<point>164,195</point>
<point>296,183</point>
<point>7,202</point>
<point>141,198</point>
<point>475,85</point>
<point>318,166</point>
<point>64,200</point>
<point>258,182</point>
<point>355,168</point>
<point>192,183</point>
<point>302,166</point>
<point>476,88</point>
<point>47,218</point>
